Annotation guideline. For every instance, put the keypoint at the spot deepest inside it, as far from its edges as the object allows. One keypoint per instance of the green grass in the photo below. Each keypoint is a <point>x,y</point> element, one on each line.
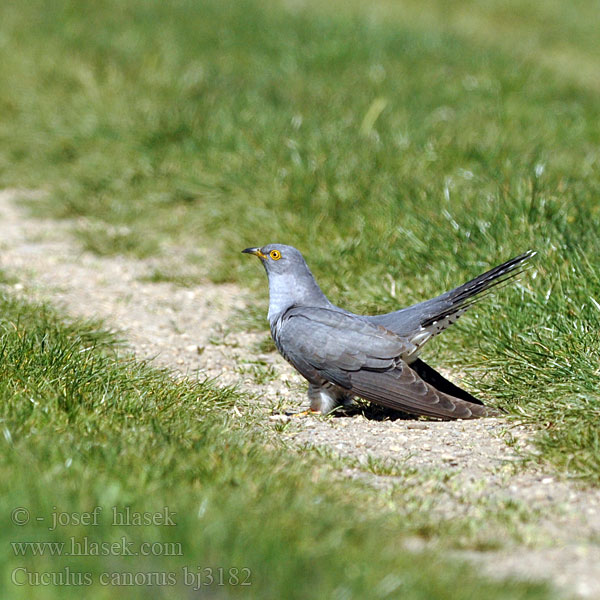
<point>6,279</point>
<point>402,155</point>
<point>84,428</point>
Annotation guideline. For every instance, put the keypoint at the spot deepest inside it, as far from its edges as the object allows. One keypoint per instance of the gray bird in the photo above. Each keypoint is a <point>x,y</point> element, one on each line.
<point>343,355</point>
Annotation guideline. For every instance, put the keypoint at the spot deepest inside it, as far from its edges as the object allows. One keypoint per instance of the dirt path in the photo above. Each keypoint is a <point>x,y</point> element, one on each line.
<point>189,329</point>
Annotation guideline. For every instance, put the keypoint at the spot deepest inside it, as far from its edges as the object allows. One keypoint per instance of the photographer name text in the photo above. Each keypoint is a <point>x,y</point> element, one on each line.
<point>119,517</point>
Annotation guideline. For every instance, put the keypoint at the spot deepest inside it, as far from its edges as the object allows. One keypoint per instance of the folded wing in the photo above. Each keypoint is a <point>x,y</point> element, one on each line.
<point>365,359</point>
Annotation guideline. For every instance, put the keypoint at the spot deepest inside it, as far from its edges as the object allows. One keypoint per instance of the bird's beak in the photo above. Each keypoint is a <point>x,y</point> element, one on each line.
<point>255,251</point>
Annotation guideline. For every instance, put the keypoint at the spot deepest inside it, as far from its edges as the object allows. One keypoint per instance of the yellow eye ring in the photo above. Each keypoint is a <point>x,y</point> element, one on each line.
<point>275,254</point>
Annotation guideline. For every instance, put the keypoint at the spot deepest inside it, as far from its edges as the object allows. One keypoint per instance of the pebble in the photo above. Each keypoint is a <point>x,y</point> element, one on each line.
<point>279,418</point>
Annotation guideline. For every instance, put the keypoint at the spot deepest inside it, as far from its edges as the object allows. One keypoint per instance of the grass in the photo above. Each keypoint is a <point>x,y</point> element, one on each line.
<point>84,427</point>
<point>7,279</point>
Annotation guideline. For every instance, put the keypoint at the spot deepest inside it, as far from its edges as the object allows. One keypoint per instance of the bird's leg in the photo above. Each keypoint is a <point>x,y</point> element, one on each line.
<point>324,398</point>
<point>309,411</point>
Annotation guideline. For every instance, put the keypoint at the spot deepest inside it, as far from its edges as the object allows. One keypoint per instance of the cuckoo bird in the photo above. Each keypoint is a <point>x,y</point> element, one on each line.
<point>343,354</point>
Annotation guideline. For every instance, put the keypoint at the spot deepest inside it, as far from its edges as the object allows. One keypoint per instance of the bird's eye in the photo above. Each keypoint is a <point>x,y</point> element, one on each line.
<point>275,254</point>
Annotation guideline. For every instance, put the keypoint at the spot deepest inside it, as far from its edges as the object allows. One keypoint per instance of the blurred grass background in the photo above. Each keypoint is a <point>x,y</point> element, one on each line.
<point>402,146</point>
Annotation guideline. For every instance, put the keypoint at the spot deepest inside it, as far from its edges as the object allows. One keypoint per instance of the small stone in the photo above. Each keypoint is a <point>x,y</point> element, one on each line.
<point>417,425</point>
<point>279,418</point>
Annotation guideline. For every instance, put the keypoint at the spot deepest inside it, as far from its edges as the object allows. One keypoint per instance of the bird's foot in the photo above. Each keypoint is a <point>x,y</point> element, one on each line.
<point>305,413</point>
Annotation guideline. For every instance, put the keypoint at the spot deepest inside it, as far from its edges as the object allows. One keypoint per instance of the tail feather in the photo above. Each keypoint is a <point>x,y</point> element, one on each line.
<point>464,296</point>
<point>429,318</point>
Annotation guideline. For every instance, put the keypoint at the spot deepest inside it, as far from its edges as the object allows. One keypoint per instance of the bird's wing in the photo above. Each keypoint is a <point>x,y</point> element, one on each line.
<point>403,389</point>
<point>440,383</point>
<point>337,343</point>
<point>364,359</point>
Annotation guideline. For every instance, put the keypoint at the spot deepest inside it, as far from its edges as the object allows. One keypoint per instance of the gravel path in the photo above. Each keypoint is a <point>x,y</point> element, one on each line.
<point>190,330</point>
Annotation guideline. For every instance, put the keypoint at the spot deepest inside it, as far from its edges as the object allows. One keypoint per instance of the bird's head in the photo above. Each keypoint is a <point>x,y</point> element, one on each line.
<point>290,281</point>
<point>279,259</point>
